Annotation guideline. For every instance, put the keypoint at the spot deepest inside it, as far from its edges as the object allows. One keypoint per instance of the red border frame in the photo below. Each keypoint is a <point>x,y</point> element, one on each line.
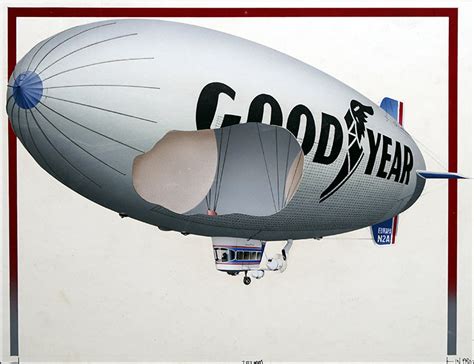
<point>450,13</point>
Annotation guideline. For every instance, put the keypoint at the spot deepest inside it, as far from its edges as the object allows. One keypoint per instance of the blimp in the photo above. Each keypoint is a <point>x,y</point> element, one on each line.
<point>201,132</point>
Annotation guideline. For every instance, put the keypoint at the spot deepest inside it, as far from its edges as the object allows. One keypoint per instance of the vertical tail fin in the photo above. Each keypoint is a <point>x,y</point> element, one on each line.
<point>394,108</point>
<point>384,232</point>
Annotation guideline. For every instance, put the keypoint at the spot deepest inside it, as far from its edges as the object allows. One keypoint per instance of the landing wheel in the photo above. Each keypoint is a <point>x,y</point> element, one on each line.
<point>247,281</point>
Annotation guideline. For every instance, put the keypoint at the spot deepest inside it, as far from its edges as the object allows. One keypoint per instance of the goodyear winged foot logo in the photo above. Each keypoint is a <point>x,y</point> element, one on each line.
<point>355,118</point>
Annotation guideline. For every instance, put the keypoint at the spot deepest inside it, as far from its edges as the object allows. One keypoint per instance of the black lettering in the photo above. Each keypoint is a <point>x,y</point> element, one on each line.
<point>374,147</point>
<point>385,157</point>
<point>230,120</point>
<point>407,165</point>
<point>328,121</point>
<point>207,105</point>
<point>257,107</point>
<point>397,163</point>
<point>293,125</point>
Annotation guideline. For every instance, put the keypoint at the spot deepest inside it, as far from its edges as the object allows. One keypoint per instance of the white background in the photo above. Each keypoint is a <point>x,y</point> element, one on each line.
<point>96,287</point>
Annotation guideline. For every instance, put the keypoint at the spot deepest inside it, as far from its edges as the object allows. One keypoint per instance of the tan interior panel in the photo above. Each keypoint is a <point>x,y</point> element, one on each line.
<point>178,171</point>
<point>293,177</point>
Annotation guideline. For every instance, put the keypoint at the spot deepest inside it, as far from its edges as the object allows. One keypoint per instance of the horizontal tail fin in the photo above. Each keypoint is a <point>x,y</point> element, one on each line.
<point>439,175</point>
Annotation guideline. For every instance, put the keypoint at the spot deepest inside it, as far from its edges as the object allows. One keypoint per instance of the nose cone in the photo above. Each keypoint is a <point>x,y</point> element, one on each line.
<point>25,93</point>
<point>27,89</point>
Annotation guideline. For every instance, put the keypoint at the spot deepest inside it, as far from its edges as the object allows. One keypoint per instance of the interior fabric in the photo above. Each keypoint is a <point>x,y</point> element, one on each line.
<point>178,171</point>
<point>253,169</point>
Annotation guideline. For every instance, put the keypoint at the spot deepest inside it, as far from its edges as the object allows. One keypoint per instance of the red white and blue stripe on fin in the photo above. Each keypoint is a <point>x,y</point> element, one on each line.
<point>394,108</point>
<point>384,232</point>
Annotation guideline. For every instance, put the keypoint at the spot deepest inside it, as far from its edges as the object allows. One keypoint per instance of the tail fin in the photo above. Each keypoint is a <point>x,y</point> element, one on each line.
<point>384,232</point>
<point>394,108</point>
<point>439,175</point>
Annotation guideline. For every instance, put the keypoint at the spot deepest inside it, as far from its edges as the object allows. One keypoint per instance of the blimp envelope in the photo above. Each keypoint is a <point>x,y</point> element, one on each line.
<point>111,90</point>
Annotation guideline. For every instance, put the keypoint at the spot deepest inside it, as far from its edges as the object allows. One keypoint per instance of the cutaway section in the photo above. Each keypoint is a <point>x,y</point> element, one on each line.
<point>178,171</point>
<point>293,177</point>
<point>253,169</point>
<point>258,171</point>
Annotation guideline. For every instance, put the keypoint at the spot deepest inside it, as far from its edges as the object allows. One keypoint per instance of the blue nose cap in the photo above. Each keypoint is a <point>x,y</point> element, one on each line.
<point>27,89</point>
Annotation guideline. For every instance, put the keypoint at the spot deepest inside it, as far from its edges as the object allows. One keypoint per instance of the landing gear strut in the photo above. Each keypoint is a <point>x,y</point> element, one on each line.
<point>287,248</point>
<point>247,280</point>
